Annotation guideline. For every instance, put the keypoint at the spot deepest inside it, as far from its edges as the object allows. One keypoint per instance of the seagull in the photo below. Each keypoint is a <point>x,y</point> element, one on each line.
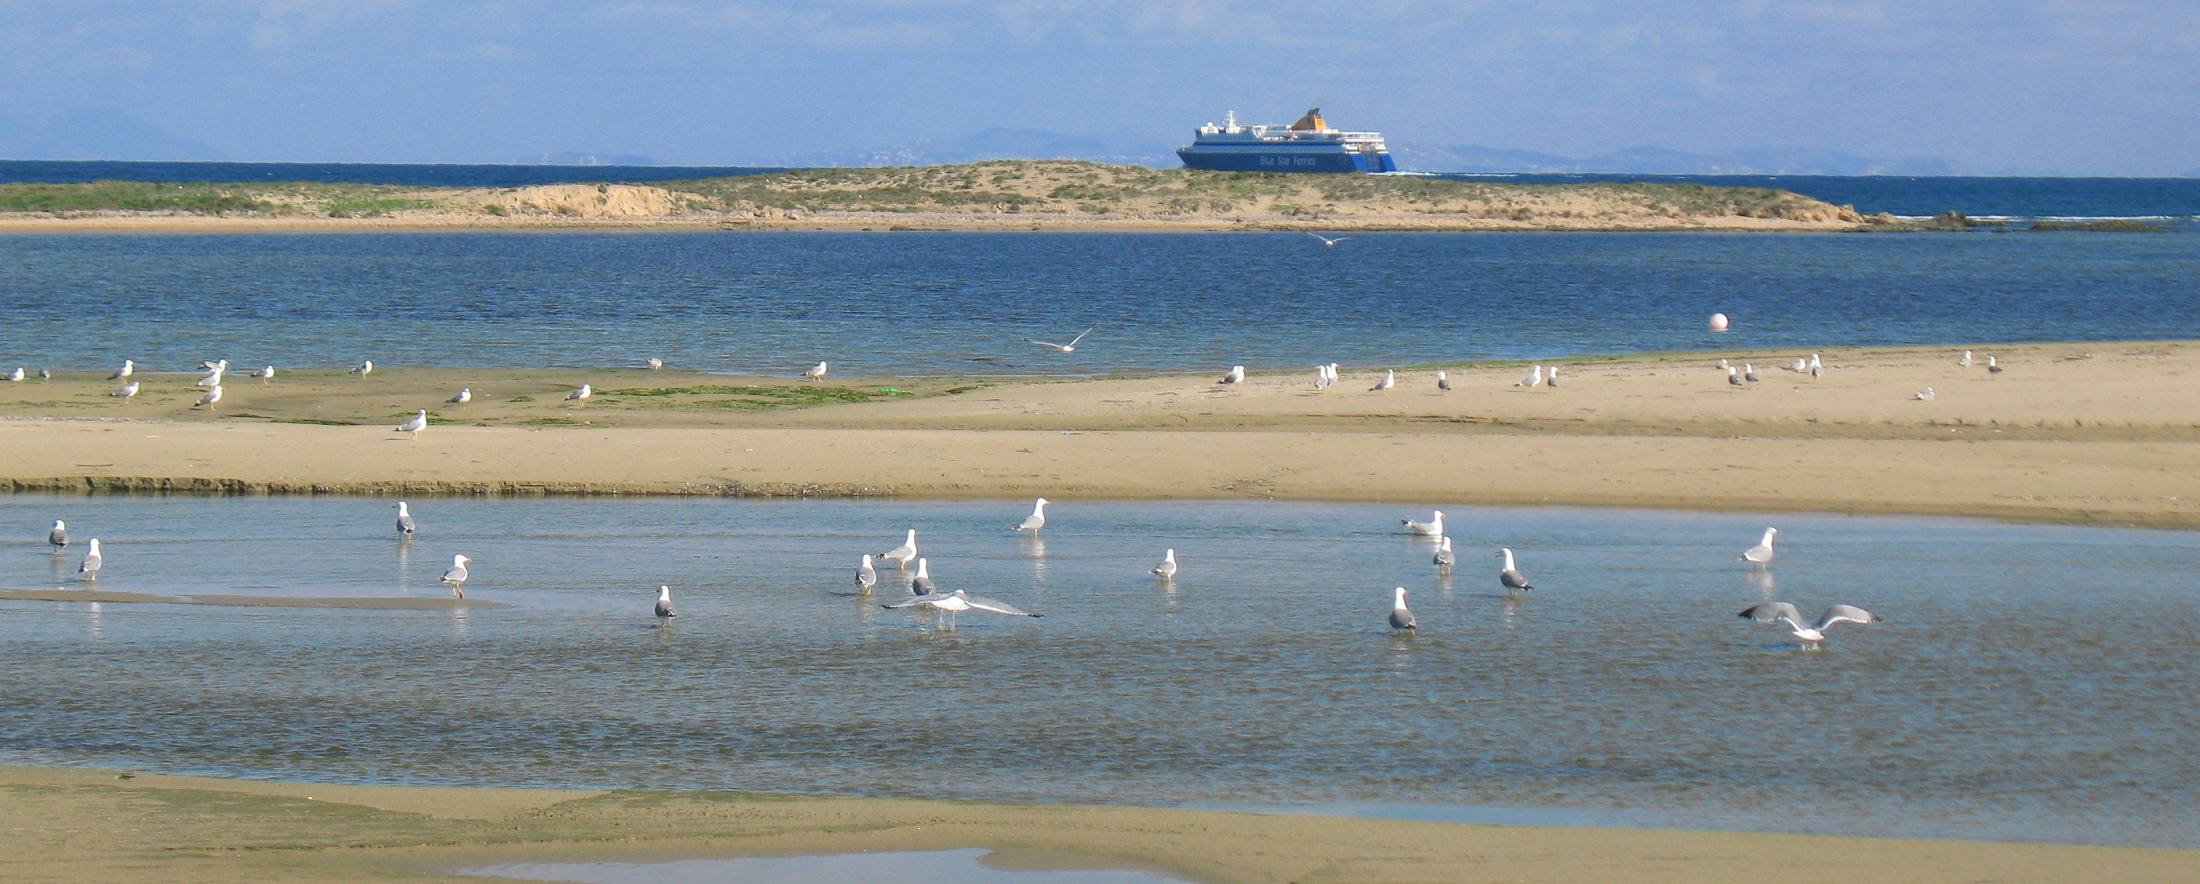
<point>1761,554</point>
<point>1390,379</point>
<point>213,379</point>
<point>404,519</point>
<point>1332,374</point>
<point>1551,380</point>
<point>1817,371</point>
<point>456,576</point>
<point>1722,364</point>
<point>1510,577</point>
<point>815,372</point>
<point>583,393</point>
<point>1749,372</point>
<point>902,555</point>
<point>1534,377</point>
<point>866,576</point>
<point>1167,569</point>
<point>128,368</point>
<point>1815,364</point>
<point>1733,378</point>
<point>1992,367</point>
<point>364,368</point>
<point>59,536</point>
<point>1801,365</point>
<point>45,374</point>
<point>922,583</point>
<point>212,396</point>
<point>17,374</point>
<point>465,395</point>
<point>127,390</point>
<point>210,365</point>
<point>1236,375</point>
<point>90,566</point>
<point>1070,347</point>
<point>1327,241</point>
<point>1445,558</point>
<point>664,605</point>
<point>1924,395</point>
<point>1400,618</point>
<point>1321,377</point>
<point>1814,633</point>
<point>959,601</point>
<point>655,363</point>
<point>1434,527</point>
<point>1037,519</point>
<point>419,422</point>
<point>1443,381</point>
<point>265,372</point>
<point>1966,360</point>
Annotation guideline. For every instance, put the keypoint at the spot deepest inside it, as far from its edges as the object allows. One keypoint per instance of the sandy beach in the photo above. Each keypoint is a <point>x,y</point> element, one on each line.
<point>2063,435</point>
<point>152,827</point>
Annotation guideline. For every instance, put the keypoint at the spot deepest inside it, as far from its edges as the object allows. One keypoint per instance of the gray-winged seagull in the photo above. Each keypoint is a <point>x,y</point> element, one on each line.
<point>1400,617</point>
<point>456,576</point>
<point>1761,554</point>
<point>1811,633</point>
<point>1510,575</point>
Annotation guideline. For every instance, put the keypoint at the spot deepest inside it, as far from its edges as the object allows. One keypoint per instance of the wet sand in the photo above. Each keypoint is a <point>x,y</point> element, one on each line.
<point>2074,433</point>
<point>81,824</point>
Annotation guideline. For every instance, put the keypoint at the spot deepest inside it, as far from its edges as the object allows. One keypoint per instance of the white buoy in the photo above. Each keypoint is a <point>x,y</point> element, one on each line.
<point>1718,322</point>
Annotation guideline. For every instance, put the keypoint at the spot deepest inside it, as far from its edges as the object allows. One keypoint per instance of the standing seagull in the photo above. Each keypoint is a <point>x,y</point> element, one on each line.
<point>1749,372</point>
<point>1992,366</point>
<point>1236,375</point>
<point>581,394</point>
<point>1400,618</point>
<point>664,605</point>
<point>1328,241</point>
<point>364,368</point>
<point>902,555</point>
<point>59,536</point>
<point>1733,379</point>
<point>1167,569</point>
<point>419,422</point>
<point>127,390</point>
<point>17,374</point>
<point>404,520</point>
<point>1551,380</point>
<point>655,363</point>
<point>265,372</point>
<point>1070,347</point>
<point>1443,381</point>
<point>1510,576</point>
<point>1321,377</point>
<point>90,566</point>
<point>128,368</point>
<point>1966,360</point>
<point>1390,379</point>
<point>1813,633</point>
<point>1761,554</point>
<point>1037,519</point>
<point>465,395</point>
<point>212,396</point>
<point>866,576</point>
<point>1534,378</point>
<point>922,583</point>
<point>213,378</point>
<point>456,576</point>
<point>1444,558</point>
<point>816,371</point>
<point>1434,527</point>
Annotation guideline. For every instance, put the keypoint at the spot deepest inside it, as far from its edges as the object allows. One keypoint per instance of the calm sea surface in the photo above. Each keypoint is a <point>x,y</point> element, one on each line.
<point>903,304</point>
<point>2030,683</point>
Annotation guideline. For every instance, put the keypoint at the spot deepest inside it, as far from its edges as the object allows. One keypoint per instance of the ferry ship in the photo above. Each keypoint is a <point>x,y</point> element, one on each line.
<point>1308,145</point>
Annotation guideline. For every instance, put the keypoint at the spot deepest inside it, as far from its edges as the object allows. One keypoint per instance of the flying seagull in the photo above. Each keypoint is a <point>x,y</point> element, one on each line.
<point>1400,618</point>
<point>465,395</point>
<point>1070,347</point>
<point>1390,379</point>
<point>866,576</point>
<point>954,603</point>
<point>1037,519</point>
<point>1167,569</point>
<point>1761,554</point>
<point>1327,241</point>
<point>364,368</point>
<point>419,422</point>
<point>128,368</point>
<point>1434,527</point>
<point>664,604</point>
<point>1444,558</point>
<point>902,555</point>
<point>1236,375</point>
<point>584,392</point>
<point>90,566</point>
<point>404,519</point>
<point>1813,633</point>
<point>59,536</point>
<point>816,371</point>
<point>1510,576</point>
<point>456,576</point>
<point>212,396</point>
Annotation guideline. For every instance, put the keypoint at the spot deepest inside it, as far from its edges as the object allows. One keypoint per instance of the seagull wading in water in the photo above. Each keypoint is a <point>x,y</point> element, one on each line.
<point>1510,577</point>
<point>1401,619</point>
<point>1070,347</point>
<point>1813,633</point>
<point>90,566</point>
<point>1761,554</point>
<point>1167,569</point>
<point>951,604</point>
<point>59,536</point>
<point>404,519</point>
<point>902,555</point>
<point>1434,527</point>
<point>1444,557</point>
<point>1037,519</point>
<point>664,604</point>
<point>866,576</point>
<point>456,576</point>
<point>921,584</point>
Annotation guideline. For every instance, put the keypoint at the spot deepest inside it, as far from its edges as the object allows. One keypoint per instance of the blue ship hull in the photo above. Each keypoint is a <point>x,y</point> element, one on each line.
<point>1285,161</point>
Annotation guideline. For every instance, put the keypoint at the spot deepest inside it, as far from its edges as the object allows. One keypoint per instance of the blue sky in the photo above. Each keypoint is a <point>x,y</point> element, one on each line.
<point>1993,87</point>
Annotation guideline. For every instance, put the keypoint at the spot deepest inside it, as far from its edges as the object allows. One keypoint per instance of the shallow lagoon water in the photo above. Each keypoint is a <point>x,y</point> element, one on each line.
<point>2031,683</point>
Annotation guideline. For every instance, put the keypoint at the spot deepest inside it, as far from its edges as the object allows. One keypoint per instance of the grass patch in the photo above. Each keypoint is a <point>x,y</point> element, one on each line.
<point>549,422</point>
<point>754,398</point>
<point>130,196</point>
<point>363,206</point>
<point>311,421</point>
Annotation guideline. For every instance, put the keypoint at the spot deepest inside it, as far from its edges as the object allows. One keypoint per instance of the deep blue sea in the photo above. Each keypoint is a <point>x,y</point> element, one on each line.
<point>2164,198</point>
<point>953,303</point>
